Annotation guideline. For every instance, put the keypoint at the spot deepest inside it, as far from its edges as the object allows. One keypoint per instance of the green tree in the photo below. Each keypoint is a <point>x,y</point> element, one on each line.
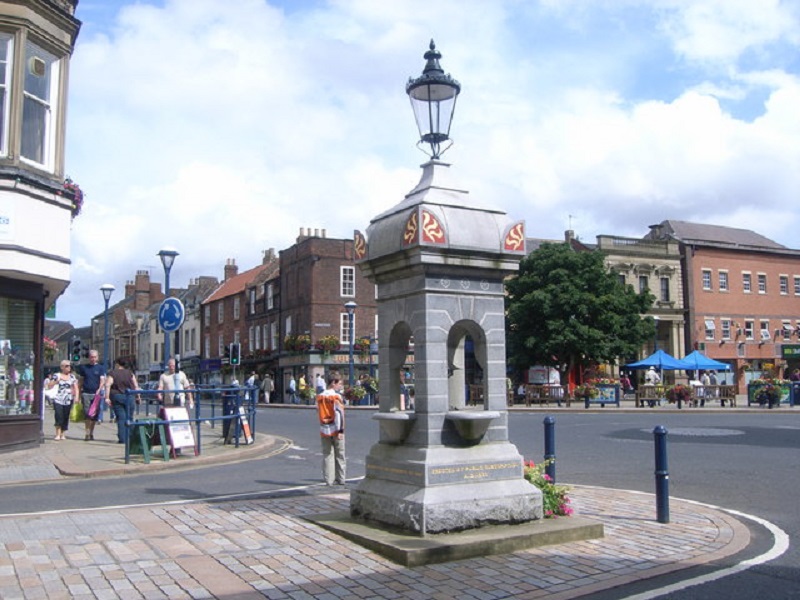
<point>565,310</point>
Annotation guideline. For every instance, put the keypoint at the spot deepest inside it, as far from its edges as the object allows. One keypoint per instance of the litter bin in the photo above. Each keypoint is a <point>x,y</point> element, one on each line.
<point>228,408</point>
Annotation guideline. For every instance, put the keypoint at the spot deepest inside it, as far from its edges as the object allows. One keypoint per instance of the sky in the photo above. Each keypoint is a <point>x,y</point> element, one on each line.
<point>220,128</point>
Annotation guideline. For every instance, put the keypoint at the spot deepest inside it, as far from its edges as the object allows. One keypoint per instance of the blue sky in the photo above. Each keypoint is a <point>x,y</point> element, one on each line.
<point>221,128</point>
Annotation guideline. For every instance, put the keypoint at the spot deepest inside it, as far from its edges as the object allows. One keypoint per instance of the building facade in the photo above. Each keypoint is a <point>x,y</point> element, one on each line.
<point>36,41</point>
<point>742,294</point>
<point>654,266</point>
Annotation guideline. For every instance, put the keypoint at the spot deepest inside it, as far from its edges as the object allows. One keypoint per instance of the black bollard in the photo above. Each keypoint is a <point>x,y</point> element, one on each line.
<point>550,446</point>
<point>662,474</point>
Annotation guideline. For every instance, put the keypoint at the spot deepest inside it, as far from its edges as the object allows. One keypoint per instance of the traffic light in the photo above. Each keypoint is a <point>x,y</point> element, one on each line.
<point>228,351</point>
<point>235,353</point>
<point>75,349</point>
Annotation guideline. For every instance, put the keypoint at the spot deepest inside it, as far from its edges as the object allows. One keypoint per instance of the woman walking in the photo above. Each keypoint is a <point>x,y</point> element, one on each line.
<point>67,394</point>
<point>119,381</point>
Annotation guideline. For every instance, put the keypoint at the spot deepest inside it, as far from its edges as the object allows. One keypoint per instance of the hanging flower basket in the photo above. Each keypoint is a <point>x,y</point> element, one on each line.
<point>328,344</point>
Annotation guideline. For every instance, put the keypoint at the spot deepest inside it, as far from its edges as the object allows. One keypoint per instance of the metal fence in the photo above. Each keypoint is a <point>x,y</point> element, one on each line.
<point>224,405</point>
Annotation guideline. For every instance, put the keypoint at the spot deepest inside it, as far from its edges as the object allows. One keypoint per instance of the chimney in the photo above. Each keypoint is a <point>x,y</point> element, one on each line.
<point>130,290</point>
<point>324,233</point>
<point>569,235</point>
<point>231,270</point>
<point>269,256</point>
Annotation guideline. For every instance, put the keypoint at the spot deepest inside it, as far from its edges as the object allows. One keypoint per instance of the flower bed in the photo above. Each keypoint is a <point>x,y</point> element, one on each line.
<point>555,501</point>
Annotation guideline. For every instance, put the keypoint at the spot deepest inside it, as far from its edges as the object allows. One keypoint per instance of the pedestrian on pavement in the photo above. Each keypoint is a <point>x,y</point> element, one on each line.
<point>174,381</point>
<point>93,378</point>
<point>705,379</point>
<point>302,389</point>
<point>252,383</point>
<point>292,390</point>
<point>330,410</point>
<point>268,386</point>
<point>120,380</point>
<point>319,383</point>
<point>68,392</point>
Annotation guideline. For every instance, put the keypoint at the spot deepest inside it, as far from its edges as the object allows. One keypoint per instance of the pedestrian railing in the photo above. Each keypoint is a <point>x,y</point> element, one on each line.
<point>229,406</point>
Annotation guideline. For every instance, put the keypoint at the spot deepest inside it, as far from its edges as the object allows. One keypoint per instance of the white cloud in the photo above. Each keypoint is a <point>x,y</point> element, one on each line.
<point>222,128</point>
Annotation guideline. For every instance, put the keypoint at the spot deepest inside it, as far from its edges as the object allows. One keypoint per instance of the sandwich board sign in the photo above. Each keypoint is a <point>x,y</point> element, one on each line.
<point>180,434</point>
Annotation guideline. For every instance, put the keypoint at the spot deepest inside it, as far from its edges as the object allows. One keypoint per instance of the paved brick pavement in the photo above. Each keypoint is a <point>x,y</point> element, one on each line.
<point>265,549</point>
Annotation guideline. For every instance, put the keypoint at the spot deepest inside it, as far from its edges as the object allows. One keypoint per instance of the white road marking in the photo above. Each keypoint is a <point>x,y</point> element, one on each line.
<point>780,545</point>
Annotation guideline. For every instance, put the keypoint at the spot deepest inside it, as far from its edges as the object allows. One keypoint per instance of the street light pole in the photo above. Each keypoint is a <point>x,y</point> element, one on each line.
<point>107,289</point>
<point>351,309</point>
<point>167,256</point>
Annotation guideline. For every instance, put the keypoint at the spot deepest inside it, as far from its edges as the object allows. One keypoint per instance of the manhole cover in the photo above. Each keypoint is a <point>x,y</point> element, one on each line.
<point>700,431</point>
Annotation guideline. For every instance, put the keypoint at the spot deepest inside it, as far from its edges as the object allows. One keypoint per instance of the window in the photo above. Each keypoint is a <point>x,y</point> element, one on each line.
<point>786,329</point>
<point>253,301</point>
<point>706,279</point>
<point>749,328</point>
<point>207,346</point>
<point>273,335</point>
<point>723,281</point>
<point>288,325</point>
<point>762,283</point>
<point>747,283</point>
<point>258,338</point>
<point>344,327</point>
<point>270,297</point>
<point>710,328</point>
<point>237,337</point>
<point>784,284</point>
<point>193,340</point>
<point>266,338</point>
<point>348,281</point>
<point>665,289</point>
<point>220,346</point>
<point>643,284</point>
<point>220,311</point>
<point>796,285</point>
<point>236,308</point>
<point>41,85</point>
<point>6,51</point>
<point>251,337</point>
<point>621,278</point>
<point>765,335</point>
<point>207,316</point>
<point>725,327</point>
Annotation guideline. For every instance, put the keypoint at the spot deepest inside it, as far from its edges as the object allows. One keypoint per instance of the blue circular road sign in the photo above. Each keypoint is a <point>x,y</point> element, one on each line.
<point>171,314</point>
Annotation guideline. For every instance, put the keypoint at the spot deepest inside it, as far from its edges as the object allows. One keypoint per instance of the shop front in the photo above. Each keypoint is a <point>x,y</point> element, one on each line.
<point>20,364</point>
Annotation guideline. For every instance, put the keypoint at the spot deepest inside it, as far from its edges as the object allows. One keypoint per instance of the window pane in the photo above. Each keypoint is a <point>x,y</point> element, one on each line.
<point>16,356</point>
<point>36,107</point>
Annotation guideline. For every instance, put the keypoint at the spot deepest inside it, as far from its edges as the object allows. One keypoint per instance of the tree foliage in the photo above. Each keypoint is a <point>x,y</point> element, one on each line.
<point>565,309</point>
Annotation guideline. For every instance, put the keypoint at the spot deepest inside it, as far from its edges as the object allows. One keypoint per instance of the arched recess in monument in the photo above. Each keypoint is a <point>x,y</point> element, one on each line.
<point>399,340</point>
<point>456,365</point>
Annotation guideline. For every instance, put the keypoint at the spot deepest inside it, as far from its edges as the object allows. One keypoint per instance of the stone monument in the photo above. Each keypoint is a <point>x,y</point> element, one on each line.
<point>439,259</point>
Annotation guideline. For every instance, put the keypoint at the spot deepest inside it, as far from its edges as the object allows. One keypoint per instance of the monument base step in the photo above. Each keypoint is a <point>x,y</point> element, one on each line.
<point>412,550</point>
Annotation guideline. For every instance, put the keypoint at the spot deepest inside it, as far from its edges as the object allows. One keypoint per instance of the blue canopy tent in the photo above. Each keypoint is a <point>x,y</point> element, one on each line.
<point>660,360</point>
<point>697,361</point>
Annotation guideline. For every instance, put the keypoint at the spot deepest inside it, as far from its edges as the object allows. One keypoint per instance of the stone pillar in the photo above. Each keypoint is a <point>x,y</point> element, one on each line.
<point>439,261</point>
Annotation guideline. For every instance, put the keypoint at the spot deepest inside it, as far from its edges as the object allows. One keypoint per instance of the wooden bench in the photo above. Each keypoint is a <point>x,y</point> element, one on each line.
<point>543,394</point>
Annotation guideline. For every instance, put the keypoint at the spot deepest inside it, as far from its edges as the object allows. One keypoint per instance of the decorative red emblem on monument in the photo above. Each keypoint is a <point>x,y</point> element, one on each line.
<point>359,245</point>
<point>432,231</point>
<point>515,238</point>
<point>411,230</point>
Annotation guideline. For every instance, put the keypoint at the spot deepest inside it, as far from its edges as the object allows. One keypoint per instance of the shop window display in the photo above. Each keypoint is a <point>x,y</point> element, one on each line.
<point>16,356</point>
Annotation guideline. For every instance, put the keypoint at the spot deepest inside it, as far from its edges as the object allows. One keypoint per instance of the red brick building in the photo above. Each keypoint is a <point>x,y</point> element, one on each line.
<point>742,296</point>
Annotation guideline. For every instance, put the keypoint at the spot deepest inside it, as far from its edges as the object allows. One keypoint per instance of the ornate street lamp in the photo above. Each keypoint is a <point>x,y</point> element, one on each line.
<point>433,98</point>
<point>167,256</point>
<point>107,289</point>
<point>350,307</point>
